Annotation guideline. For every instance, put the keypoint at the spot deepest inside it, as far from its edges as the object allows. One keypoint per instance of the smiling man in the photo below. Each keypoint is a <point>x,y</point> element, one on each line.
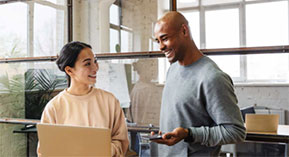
<point>199,109</point>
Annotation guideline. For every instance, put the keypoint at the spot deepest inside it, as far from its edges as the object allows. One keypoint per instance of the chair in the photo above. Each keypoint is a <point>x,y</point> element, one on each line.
<point>246,110</point>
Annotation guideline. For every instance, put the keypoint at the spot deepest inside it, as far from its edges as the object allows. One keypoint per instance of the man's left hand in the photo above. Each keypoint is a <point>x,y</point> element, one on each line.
<point>171,138</point>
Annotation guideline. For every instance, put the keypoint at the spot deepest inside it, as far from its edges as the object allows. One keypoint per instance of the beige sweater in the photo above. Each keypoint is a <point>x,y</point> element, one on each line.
<point>98,108</point>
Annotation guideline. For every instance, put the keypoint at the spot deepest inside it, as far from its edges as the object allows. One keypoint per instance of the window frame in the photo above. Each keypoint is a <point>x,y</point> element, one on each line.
<point>120,27</point>
<point>229,51</point>
<point>67,9</point>
<point>241,6</point>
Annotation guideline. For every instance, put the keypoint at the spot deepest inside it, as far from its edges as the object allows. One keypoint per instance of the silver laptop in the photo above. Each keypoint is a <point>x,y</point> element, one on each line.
<point>65,140</point>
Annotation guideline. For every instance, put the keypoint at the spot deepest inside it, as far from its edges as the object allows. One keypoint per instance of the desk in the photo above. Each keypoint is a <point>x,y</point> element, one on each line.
<point>19,121</point>
<point>282,137</point>
<point>28,122</point>
<point>31,129</point>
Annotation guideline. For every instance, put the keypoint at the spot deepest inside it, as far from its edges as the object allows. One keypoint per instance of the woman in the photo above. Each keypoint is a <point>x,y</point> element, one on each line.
<point>82,104</point>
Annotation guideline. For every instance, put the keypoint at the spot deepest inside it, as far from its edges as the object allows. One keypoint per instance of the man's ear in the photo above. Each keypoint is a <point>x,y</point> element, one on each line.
<point>185,30</point>
<point>68,70</point>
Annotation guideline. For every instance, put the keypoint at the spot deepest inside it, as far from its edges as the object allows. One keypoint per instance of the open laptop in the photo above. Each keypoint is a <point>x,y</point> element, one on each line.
<point>65,140</point>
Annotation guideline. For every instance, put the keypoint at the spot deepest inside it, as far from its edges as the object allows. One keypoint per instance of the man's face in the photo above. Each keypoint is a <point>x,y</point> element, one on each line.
<point>170,41</point>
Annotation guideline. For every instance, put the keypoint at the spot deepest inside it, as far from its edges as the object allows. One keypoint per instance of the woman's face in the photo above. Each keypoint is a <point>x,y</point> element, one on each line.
<point>85,68</point>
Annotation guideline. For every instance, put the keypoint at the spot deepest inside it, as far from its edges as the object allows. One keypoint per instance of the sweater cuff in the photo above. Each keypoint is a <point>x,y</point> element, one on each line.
<point>195,134</point>
<point>189,138</point>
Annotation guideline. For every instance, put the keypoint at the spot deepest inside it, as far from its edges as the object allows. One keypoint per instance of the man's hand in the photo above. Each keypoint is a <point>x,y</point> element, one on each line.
<point>171,138</point>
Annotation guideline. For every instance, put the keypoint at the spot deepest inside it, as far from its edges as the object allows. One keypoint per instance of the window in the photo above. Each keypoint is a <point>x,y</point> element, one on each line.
<point>237,23</point>
<point>49,26</point>
<point>120,35</point>
<point>222,31</point>
<point>194,23</point>
<point>34,28</point>
<point>114,40</point>
<point>264,29</point>
<point>222,28</point>
<point>13,30</point>
<point>29,28</point>
<point>126,37</point>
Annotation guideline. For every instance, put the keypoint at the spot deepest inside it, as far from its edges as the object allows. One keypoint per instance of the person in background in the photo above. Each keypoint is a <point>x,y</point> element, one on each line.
<point>145,95</point>
<point>199,109</point>
<point>83,105</point>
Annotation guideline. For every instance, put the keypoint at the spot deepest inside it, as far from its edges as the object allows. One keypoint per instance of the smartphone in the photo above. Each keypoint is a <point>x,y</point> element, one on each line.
<point>153,137</point>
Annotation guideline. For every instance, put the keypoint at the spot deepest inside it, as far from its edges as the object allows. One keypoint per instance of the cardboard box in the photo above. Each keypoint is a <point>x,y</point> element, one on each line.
<point>262,123</point>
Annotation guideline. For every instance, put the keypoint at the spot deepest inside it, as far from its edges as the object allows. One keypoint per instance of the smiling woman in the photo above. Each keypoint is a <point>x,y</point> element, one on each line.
<point>77,61</point>
<point>83,105</point>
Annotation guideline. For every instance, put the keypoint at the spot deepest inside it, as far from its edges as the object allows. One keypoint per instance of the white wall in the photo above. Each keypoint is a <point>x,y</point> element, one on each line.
<point>270,96</point>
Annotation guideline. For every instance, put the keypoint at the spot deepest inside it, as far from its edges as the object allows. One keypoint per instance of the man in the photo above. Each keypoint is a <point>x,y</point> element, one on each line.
<point>199,109</point>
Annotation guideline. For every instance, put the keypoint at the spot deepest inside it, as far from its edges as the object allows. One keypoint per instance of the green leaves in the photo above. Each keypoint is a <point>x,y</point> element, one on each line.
<point>40,87</point>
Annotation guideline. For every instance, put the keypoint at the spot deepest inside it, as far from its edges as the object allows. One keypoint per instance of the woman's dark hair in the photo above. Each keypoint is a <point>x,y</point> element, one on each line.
<point>68,56</point>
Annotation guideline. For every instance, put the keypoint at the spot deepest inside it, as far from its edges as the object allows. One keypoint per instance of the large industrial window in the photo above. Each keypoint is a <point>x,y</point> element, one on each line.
<point>120,35</point>
<point>239,23</point>
<point>32,28</point>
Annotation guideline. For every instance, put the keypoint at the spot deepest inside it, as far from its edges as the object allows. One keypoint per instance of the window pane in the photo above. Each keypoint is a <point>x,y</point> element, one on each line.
<point>60,2</point>
<point>13,30</point>
<point>113,40</point>
<point>187,3</point>
<point>165,4</point>
<point>49,30</point>
<point>114,14</point>
<point>194,23</point>
<point>222,28</point>
<point>268,66</point>
<point>126,37</point>
<point>262,25</point>
<point>264,29</point>
<point>229,64</point>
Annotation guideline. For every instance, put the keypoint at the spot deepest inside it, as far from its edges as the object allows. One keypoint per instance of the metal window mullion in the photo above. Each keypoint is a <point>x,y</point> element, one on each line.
<point>243,41</point>
<point>113,26</point>
<point>202,26</point>
<point>89,19</point>
<point>173,5</point>
<point>68,28</point>
<point>262,1</point>
<point>119,24</point>
<point>30,29</point>
<point>50,4</point>
<point>222,6</point>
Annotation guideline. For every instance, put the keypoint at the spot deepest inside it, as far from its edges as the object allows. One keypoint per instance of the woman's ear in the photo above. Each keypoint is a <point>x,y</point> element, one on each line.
<point>68,70</point>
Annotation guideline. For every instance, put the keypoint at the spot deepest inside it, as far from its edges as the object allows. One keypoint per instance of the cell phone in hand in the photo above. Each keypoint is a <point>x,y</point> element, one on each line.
<point>155,137</point>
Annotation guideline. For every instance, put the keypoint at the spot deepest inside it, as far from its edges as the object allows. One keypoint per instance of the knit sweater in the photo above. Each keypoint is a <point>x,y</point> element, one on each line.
<point>98,108</point>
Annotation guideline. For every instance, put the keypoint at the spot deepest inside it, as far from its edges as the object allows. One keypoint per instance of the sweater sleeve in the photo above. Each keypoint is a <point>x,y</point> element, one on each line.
<point>221,105</point>
<point>47,117</point>
<point>218,135</point>
<point>119,138</point>
<point>48,114</point>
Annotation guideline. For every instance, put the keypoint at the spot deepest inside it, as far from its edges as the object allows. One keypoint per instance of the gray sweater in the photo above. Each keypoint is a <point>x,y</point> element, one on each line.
<point>200,97</point>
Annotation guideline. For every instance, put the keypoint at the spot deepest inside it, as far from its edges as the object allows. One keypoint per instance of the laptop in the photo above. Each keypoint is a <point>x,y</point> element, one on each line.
<point>262,123</point>
<point>66,140</point>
